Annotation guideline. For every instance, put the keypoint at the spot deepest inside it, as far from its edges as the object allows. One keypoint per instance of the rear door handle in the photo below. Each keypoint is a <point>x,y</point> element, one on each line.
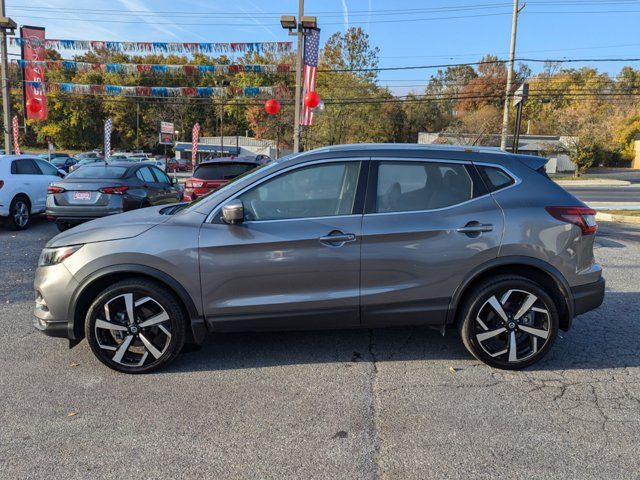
<point>337,239</point>
<point>474,229</point>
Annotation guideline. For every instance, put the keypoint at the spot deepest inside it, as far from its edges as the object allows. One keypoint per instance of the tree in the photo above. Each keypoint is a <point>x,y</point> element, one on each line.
<point>351,51</point>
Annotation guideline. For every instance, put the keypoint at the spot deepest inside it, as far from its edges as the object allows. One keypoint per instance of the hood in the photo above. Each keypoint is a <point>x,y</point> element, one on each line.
<point>116,227</point>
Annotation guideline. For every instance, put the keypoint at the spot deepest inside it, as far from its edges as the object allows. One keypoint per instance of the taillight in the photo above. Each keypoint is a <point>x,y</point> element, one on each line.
<point>119,190</point>
<point>583,217</point>
<point>1,183</point>
<point>54,189</point>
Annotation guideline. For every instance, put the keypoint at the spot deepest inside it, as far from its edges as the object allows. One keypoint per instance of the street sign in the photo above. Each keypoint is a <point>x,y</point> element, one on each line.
<point>166,131</point>
<point>521,94</point>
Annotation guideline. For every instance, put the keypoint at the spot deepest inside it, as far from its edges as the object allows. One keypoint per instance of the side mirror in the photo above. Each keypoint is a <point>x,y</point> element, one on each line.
<point>233,212</point>
<point>174,181</point>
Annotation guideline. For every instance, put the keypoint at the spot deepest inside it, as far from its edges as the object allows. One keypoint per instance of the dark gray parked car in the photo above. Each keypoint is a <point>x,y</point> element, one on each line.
<point>97,190</point>
<point>340,237</point>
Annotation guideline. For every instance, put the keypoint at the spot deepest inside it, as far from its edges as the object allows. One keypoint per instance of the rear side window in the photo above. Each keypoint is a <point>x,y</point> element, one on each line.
<point>416,186</point>
<point>222,171</point>
<point>495,178</point>
<point>98,172</point>
<point>24,166</point>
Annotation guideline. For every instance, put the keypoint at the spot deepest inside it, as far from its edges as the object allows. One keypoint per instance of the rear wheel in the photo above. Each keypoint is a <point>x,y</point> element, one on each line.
<point>508,322</point>
<point>135,326</point>
<point>19,213</point>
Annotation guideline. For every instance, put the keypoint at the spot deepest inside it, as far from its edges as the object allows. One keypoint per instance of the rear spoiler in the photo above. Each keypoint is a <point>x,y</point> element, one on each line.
<point>534,163</point>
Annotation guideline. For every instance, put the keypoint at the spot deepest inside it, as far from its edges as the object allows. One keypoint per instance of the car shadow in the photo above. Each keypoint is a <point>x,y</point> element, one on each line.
<point>606,338</point>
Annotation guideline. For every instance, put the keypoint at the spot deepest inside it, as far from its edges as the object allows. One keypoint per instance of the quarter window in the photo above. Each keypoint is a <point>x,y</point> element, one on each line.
<point>322,190</point>
<point>415,186</point>
<point>495,178</point>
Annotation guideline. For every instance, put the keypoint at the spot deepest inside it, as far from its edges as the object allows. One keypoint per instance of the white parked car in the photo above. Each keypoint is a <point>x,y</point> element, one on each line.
<point>23,188</point>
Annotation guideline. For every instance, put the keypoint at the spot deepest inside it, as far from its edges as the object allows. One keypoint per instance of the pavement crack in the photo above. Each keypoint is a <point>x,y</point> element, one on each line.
<point>374,407</point>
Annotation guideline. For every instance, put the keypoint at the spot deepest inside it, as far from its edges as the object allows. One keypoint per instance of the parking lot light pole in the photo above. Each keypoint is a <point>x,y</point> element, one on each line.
<point>6,25</point>
<point>290,23</point>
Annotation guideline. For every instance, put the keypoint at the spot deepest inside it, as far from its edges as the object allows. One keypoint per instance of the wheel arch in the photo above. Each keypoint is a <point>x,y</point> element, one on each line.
<point>22,194</point>
<point>532,268</point>
<point>100,279</point>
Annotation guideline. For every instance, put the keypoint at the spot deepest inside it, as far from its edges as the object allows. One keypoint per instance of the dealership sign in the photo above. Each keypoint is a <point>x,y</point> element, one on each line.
<point>35,100</point>
<point>166,130</point>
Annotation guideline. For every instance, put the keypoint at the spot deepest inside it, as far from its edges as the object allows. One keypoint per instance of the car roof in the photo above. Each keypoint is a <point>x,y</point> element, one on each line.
<point>385,147</point>
<point>248,160</point>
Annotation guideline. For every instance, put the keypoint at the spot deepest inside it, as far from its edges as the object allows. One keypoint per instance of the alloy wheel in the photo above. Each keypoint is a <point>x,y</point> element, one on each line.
<point>21,213</point>
<point>134,329</point>
<point>512,326</point>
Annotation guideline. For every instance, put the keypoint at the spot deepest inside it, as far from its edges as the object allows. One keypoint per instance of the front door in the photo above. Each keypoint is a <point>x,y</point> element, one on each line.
<point>294,262</point>
<point>426,226</point>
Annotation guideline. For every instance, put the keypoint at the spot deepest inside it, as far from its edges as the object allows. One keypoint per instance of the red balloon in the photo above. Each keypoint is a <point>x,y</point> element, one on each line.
<point>312,99</point>
<point>272,106</point>
<point>34,105</point>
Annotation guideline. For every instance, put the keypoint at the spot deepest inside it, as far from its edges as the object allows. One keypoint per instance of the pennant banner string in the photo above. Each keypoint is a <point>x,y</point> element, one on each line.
<point>157,47</point>
<point>134,68</point>
<point>145,91</point>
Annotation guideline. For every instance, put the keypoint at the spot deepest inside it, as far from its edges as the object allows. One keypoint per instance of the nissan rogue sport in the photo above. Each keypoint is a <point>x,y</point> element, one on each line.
<point>355,236</point>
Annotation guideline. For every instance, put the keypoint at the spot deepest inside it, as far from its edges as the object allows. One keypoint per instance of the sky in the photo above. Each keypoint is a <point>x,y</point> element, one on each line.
<point>408,32</point>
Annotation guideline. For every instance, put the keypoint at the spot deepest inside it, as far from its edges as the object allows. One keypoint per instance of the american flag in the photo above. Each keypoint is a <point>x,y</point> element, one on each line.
<point>309,74</point>
<point>108,126</point>
<point>16,145</point>
<point>195,134</point>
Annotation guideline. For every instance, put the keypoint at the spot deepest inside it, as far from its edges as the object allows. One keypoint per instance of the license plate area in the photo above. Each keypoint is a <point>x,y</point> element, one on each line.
<point>82,196</point>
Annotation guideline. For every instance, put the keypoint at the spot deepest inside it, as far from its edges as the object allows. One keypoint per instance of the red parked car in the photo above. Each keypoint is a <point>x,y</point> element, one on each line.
<point>214,173</point>
<point>174,165</point>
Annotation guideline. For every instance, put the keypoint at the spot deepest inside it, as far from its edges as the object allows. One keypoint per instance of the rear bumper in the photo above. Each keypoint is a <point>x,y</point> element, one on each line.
<point>588,297</point>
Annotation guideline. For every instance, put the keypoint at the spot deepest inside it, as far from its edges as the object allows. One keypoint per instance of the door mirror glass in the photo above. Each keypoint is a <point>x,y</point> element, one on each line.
<point>233,212</point>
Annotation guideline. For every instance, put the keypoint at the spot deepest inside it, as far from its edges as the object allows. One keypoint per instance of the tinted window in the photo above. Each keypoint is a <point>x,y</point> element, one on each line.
<point>98,172</point>
<point>47,168</point>
<point>222,171</point>
<point>145,175</point>
<point>160,175</point>
<point>495,178</point>
<point>413,186</point>
<point>316,191</point>
<point>24,166</point>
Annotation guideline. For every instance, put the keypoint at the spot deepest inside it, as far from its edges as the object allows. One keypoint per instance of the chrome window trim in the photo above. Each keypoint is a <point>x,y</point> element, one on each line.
<point>217,208</point>
<point>516,179</point>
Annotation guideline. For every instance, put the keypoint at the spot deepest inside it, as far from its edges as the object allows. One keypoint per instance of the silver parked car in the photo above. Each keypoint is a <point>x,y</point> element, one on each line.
<point>340,237</point>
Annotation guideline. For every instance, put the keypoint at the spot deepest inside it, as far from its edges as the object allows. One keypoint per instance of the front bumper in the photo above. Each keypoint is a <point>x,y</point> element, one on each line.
<point>54,285</point>
<point>588,297</point>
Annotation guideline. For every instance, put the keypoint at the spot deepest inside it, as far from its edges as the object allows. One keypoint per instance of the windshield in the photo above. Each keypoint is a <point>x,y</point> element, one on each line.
<point>248,174</point>
<point>106,172</point>
<point>222,171</point>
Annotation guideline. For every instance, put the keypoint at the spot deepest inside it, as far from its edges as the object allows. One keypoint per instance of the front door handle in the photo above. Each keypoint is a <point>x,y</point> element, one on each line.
<point>474,229</point>
<point>337,238</point>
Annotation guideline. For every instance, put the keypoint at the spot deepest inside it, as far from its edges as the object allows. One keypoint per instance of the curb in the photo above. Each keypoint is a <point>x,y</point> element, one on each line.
<point>609,217</point>
<point>593,183</point>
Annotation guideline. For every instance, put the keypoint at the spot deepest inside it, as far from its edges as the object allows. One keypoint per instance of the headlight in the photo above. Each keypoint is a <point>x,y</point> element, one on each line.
<point>53,256</point>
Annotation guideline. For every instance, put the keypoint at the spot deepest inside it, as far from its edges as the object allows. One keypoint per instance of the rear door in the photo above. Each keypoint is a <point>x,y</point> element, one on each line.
<point>426,225</point>
<point>154,191</point>
<point>32,181</point>
<point>294,262</point>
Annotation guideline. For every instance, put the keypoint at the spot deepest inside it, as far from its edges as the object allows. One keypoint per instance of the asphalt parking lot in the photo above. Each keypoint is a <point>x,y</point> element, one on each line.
<point>351,404</point>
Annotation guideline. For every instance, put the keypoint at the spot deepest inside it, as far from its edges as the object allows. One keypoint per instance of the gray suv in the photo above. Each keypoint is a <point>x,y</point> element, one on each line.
<point>357,236</point>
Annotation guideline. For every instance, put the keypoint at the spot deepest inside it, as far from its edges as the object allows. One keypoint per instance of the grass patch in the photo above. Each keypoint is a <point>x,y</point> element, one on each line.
<point>555,176</point>
<point>629,213</point>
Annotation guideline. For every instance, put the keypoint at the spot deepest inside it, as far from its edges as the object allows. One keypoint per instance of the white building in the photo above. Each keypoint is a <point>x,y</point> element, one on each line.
<point>239,146</point>
<point>555,148</point>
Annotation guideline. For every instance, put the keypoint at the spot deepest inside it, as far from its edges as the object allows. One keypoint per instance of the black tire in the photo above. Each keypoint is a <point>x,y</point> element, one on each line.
<point>19,213</point>
<point>63,226</point>
<point>107,343</point>
<point>490,338</point>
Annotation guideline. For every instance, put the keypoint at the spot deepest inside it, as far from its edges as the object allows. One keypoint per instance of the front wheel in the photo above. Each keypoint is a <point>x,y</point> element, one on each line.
<point>135,326</point>
<point>508,322</point>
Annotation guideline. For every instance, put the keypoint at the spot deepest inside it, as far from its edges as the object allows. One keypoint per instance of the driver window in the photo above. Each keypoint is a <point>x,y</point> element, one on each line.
<point>322,190</point>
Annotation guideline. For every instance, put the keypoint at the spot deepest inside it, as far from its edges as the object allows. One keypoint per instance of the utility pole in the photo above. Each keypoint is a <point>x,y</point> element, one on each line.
<point>512,53</point>
<point>5,24</point>
<point>137,126</point>
<point>296,120</point>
